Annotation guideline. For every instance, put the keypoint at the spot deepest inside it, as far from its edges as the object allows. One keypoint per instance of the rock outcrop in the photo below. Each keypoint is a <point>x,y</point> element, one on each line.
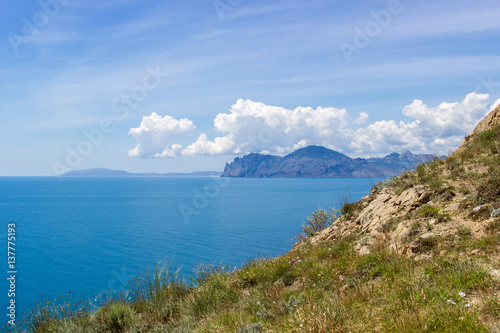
<point>438,203</point>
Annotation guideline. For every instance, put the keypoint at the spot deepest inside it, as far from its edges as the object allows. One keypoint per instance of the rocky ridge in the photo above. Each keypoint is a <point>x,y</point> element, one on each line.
<point>422,211</point>
<point>317,161</point>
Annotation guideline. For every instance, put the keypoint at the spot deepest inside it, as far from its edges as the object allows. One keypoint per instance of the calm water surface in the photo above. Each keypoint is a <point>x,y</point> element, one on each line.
<point>90,234</point>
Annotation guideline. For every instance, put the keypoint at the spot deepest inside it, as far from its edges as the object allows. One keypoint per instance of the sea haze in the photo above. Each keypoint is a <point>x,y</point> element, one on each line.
<point>90,234</point>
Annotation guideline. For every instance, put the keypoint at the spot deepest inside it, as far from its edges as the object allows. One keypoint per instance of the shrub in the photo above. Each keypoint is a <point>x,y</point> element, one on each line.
<point>429,211</point>
<point>427,244</point>
<point>319,220</point>
<point>489,188</point>
<point>464,232</point>
<point>382,184</point>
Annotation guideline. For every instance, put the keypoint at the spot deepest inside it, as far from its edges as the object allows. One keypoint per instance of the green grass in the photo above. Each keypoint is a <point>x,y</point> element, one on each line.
<point>326,287</point>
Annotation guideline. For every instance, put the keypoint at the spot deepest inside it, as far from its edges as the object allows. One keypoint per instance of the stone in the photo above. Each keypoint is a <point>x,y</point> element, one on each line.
<point>453,208</point>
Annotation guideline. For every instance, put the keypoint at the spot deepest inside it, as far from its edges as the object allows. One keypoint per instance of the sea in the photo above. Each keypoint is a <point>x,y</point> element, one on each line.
<point>87,236</point>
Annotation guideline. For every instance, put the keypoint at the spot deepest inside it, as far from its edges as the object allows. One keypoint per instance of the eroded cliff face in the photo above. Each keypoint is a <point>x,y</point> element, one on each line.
<point>441,202</point>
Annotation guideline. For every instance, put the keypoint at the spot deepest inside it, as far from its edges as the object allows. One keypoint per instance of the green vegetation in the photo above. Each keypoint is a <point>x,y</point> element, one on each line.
<point>328,287</point>
<point>319,220</point>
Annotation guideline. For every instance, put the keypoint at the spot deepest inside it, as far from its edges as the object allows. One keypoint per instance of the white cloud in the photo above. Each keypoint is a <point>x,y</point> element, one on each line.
<point>153,135</point>
<point>256,127</point>
<point>436,129</point>
<point>494,105</point>
<point>219,146</point>
<point>362,118</point>
<point>251,127</point>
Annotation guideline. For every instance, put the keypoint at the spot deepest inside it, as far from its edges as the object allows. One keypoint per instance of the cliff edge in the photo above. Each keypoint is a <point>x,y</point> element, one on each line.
<point>422,212</point>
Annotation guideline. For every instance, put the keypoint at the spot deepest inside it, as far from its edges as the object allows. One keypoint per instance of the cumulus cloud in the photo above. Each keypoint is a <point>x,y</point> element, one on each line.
<point>256,127</point>
<point>154,133</point>
<point>435,129</point>
<point>494,105</point>
<point>362,118</point>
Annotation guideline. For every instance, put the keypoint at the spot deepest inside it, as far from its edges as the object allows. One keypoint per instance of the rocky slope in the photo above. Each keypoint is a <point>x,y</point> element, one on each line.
<point>317,161</point>
<point>440,203</point>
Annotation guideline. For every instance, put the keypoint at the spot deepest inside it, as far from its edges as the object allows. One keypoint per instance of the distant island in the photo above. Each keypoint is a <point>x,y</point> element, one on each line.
<point>321,162</point>
<point>101,172</point>
<point>308,162</point>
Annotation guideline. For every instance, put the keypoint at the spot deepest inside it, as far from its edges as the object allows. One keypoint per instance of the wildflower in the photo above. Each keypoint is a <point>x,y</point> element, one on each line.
<point>467,305</point>
<point>258,302</point>
<point>451,302</point>
<point>301,325</point>
<point>462,294</point>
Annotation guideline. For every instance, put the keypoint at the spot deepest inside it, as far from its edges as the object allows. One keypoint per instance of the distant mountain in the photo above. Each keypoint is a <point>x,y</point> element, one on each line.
<point>100,172</point>
<point>317,161</point>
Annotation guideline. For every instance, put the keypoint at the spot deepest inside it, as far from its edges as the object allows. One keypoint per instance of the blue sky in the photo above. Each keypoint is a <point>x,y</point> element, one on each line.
<point>78,77</point>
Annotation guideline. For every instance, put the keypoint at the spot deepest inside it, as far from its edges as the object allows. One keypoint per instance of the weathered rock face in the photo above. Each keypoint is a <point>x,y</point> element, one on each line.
<point>381,217</point>
<point>398,218</point>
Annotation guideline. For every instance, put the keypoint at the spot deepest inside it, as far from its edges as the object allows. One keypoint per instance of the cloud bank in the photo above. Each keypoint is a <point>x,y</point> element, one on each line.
<point>252,127</point>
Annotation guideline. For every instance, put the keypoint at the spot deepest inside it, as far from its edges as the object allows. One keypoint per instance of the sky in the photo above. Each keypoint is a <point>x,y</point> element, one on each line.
<point>182,86</point>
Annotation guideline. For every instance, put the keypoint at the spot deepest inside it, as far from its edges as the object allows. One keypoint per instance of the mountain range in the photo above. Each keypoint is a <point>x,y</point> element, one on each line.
<point>321,162</point>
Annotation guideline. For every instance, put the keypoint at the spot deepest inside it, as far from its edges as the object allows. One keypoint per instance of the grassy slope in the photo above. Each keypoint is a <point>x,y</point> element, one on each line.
<point>329,286</point>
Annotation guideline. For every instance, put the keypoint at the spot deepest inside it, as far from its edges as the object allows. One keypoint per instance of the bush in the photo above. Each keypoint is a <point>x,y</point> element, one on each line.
<point>319,220</point>
<point>428,244</point>
<point>464,232</point>
<point>489,188</point>
<point>429,211</point>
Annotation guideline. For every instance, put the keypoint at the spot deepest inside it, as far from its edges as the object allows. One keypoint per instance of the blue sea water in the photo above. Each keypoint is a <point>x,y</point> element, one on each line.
<point>86,235</point>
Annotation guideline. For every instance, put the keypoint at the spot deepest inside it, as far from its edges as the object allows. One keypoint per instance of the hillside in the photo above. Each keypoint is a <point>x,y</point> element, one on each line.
<point>317,161</point>
<point>420,253</point>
